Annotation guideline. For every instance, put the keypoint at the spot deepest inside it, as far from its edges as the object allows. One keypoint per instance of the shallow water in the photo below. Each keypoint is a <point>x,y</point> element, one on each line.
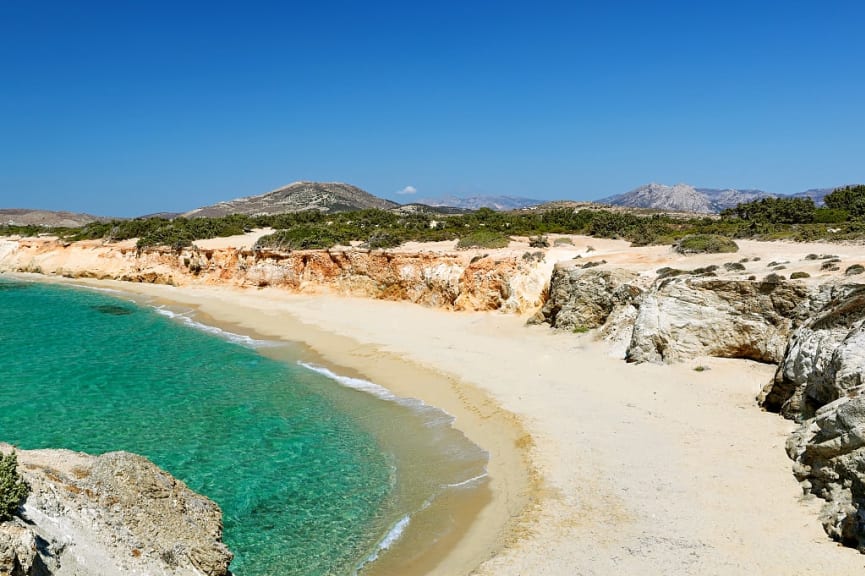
<point>315,473</point>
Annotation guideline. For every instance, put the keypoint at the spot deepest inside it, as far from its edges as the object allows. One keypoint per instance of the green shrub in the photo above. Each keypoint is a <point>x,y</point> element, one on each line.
<point>302,237</point>
<point>539,242</point>
<point>13,489</point>
<point>483,239</point>
<point>705,244</point>
<point>798,275</point>
<point>563,241</point>
<point>854,269</point>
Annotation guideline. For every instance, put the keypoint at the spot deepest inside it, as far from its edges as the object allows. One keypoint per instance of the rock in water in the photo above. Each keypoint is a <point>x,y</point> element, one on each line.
<point>117,513</point>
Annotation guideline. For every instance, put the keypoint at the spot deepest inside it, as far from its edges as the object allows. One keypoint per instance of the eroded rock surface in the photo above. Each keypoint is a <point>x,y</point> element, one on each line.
<point>685,317</point>
<point>117,513</point>
<point>586,297</point>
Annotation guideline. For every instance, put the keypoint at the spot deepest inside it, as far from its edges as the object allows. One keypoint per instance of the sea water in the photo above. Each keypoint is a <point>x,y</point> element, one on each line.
<point>315,473</point>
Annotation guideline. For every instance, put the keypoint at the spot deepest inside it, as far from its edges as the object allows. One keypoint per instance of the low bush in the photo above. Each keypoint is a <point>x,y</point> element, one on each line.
<point>854,269</point>
<point>13,489</point>
<point>539,242</point>
<point>798,275</point>
<point>705,244</point>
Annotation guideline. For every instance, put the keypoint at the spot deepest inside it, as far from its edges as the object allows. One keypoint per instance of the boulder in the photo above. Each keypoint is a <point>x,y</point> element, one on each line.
<point>586,298</point>
<point>685,317</point>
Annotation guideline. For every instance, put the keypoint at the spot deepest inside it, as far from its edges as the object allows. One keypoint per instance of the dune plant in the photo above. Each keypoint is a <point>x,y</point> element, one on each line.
<point>13,489</point>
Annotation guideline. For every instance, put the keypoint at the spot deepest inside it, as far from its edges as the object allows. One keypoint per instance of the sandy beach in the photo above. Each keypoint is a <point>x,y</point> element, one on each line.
<point>596,466</point>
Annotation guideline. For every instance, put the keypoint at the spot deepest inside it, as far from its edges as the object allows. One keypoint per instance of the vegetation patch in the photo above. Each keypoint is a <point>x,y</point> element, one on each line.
<point>705,244</point>
<point>539,242</point>
<point>854,269</point>
<point>799,275</point>
<point>484,239</point>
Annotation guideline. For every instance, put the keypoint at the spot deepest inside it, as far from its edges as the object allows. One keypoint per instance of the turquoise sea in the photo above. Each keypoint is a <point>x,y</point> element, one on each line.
<point>315,473</point>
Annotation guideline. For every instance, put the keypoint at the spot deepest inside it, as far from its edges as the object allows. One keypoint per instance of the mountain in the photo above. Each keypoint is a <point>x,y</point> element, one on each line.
<point>815,194</point>
<point>729,197</point>
<point>475,202</point>
<point>48,218</point>
<point>296,197</point>
<point>686,198</point>
<point>680,198</point>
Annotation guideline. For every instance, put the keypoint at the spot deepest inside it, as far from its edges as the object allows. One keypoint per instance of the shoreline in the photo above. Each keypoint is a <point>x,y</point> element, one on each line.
<point>483,520</point>
<point>638,469</point>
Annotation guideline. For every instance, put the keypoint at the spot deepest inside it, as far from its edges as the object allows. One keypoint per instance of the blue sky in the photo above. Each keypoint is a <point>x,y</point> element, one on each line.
<point>126,108</point>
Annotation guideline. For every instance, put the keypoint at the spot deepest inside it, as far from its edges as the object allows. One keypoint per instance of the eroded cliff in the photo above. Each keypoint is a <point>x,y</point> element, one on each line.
<point>455,280</point>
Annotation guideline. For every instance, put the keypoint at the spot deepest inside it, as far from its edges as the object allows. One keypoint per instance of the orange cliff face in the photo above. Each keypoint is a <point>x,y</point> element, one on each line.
<point>449,280</point>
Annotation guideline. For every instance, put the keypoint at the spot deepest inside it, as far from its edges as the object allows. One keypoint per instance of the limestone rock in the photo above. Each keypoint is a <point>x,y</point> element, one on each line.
<point>117,513</point>
<point>824,358</point>
<point>685,317</point>
<point>829,451</point>
<point>586,297</point>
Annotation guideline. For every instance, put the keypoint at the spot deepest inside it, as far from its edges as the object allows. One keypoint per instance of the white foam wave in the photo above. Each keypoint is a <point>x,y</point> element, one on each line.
<point>375,390</point>
<point>470,481</point>
<point>389,539</point>
<point>185,318</point>
<point>100,289</point>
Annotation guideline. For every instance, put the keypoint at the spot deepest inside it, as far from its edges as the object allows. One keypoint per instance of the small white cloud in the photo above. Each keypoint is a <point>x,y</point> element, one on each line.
<point>407,190</point>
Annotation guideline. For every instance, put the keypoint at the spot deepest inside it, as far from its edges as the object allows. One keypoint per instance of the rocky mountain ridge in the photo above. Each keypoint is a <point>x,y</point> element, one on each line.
<point>687,198</point>
<point>296,197</point>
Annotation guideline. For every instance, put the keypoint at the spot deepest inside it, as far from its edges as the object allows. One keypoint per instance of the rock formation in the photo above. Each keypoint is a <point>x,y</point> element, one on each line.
<point>585,298</point>
<point>116,513</point>
<point>452,280</point>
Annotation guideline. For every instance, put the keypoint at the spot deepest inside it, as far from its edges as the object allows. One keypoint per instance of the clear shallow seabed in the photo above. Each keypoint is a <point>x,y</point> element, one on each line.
<point>312,477</point>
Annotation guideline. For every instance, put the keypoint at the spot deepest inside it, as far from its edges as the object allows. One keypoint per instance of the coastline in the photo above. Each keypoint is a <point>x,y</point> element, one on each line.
<point>482,521</point>
<point>639,469</point>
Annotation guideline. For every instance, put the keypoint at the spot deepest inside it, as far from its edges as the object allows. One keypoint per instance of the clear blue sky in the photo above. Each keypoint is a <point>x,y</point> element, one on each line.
<point>124,108</point>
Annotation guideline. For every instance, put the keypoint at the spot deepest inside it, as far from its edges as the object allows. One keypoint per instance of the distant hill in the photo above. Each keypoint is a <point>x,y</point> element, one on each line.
<point>815,194</point>
<point>418,208</point>
<point>687,198</point>
<point>296,197</point>
<point>48,218</point>
<point>475,202</point>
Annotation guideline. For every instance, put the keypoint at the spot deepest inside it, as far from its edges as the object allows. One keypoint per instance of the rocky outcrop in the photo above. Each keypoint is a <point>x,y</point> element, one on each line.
<point>586,297</point>
<point>681,317</point>
<point>686,317</point>
<point>829,455</point>
<point>116,513</point>
<point>819,383</point>
<point>824,357</point>
<point>456,281</point>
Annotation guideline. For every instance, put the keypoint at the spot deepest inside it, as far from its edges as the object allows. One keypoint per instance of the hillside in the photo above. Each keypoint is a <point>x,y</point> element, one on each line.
<point>297,197</point>
<point>48,218</point>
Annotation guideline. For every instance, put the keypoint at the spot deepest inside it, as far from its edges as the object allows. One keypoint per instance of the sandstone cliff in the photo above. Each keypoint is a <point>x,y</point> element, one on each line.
<point>457,281</point>
<point>111,514</point>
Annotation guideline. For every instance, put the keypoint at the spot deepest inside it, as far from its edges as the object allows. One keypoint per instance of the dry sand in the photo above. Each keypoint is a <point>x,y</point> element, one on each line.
<point>633,469</point>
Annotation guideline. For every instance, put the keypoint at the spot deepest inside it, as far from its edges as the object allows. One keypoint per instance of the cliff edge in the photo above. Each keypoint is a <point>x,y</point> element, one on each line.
<point>117,513</point>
